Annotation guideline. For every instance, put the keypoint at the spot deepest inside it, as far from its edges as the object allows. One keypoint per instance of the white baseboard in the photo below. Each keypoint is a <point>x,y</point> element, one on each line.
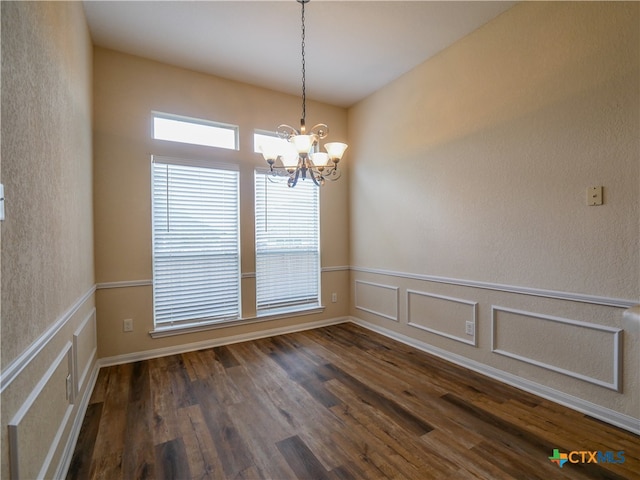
<point>607,415</point>
<point>215,342</point>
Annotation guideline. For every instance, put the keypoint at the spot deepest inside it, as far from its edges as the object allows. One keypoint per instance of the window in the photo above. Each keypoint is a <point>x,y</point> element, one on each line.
<point>196,254</point>
<point>287,245</point>
<point>194,131</point>
<point>268,139</point>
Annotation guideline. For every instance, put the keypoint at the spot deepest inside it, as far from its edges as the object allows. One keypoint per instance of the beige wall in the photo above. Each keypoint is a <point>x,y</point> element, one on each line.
<point>126,90</point>
<point>47,327</point>
<point>482,217</point>
<point>468,181</point>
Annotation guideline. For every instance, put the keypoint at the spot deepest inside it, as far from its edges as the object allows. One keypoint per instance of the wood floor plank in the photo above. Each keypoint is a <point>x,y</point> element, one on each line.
<point>370,430</point>
<point>465,459</point>
<point>80,466</point>
<point>232,450</point>
<point>106,466</point>
<point>338,403</point>
<point>165,426</point>
<point>294,403</point>
<point>261,442</point>
<point>108,448</point>
<point>99,389</point>
<point>283,396</point>
<point>342,473</point>
<point>274,418</point>
<point>386,405</point>
<point>179,381</point>
<point>500,426</point>
<point>302,371</point>
<point>226,392</point>
<point>226,357</point>
<point>139,462</point>
<point>172,463</point>
<point>201,453</point>
<point>301,459</point>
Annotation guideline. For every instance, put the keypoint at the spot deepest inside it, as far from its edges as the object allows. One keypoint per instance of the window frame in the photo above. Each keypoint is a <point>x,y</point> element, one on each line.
<point>292,308</point>
<point>208,321</point>
<point>199,122</point>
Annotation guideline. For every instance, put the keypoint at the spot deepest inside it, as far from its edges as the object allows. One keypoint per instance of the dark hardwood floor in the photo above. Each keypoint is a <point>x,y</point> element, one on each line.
<point>339,402</point>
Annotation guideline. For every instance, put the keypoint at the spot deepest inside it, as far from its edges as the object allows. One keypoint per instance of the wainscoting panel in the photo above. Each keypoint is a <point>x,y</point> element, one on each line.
<point>572,348</point>
<point>45,393</point>
<point>39,424</point>
<point>442,315</point>
<point>376,298</point>
<point>582,350</point>
<point>85,348</point>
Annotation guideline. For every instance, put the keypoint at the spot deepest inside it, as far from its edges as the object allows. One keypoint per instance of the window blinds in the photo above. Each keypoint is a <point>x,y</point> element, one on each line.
<point>287,245</point>
<point>196,260</point>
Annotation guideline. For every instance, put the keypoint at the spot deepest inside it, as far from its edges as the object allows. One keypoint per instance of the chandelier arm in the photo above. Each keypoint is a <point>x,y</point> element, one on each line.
<point>293,178</point>
<point>321,130</point>
<point>286,131</point>
<point>279,171</point>
<point>315,180</point>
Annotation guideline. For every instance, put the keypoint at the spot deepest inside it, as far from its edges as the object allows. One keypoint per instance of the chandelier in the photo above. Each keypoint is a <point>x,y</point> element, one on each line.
<point>300,158</point>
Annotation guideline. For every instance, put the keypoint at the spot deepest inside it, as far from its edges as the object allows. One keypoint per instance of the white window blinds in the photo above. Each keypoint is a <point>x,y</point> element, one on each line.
<point>196,259</point>
<point>287,245</point>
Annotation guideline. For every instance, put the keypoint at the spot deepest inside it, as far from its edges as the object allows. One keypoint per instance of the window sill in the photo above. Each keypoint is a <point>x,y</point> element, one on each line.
<point>203,327</point>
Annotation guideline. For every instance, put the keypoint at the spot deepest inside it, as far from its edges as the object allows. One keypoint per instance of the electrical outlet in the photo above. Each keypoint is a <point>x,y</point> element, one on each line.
<point>334,297</point>
<point>469,328</point>
<point>127,325</point>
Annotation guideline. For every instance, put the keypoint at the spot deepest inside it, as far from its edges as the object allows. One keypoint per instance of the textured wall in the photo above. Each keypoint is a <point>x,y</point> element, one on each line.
<point>495,141</point>
<point>474,167</point>
<point>47,237</point>
<point>127,89</point>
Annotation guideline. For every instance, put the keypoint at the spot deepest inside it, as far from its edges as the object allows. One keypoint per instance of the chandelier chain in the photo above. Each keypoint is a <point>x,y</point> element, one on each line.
<point>304,93</point>
<point>301,158</point>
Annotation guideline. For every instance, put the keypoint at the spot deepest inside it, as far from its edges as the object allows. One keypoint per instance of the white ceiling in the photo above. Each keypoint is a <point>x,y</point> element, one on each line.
<point>352,47</point>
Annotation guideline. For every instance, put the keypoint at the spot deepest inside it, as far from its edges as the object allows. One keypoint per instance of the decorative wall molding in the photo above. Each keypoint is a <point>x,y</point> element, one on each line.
<point>339,268</point>
<point>124,284</point>
<point>616,359</point>
<point>72,439</point>
<point>536,292</point>
<point>607,415</point>
<point>14,369</point>
<point>473,316</point>
<point>395,290</point>
<point>80,377</point>
<point>14,424</point>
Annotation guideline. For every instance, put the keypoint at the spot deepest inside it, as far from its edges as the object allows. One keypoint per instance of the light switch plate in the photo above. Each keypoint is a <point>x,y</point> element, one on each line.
<point>1,202</point>
<point>594,196</point>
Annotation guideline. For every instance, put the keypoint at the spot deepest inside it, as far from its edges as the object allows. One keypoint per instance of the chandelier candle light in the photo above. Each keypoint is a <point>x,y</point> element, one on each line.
<point>301,159</point>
